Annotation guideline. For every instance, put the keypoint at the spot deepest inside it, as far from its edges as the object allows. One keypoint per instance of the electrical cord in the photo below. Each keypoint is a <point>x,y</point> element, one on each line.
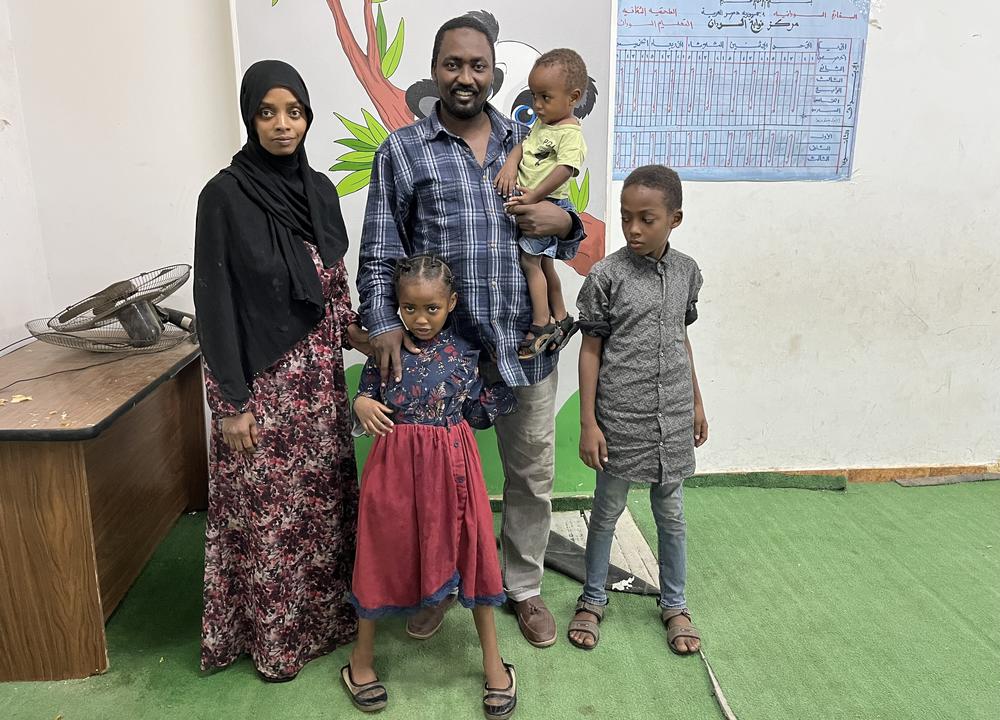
<point>76,369</point>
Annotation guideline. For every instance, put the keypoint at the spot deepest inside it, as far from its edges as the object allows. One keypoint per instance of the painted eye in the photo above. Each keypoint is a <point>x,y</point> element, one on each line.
<point>524,115</point>
<point>521,110</point>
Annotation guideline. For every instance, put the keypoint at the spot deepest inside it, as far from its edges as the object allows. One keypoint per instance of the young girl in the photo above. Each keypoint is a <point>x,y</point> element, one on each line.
<point>641,413</point>
<point>541,168</point>
<point>425,528</point>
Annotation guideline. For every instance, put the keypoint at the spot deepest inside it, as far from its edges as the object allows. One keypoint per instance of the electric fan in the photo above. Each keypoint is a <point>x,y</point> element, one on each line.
<point>123,317</point>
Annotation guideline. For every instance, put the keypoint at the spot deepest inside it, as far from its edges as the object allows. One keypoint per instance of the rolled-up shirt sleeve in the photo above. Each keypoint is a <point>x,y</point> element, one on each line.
<point>691,312</point>
<point>593,306</point>
<point>566,247</point>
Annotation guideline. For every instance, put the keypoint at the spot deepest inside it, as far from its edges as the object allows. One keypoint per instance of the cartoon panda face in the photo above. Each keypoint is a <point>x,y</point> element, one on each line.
<point>514,61</point>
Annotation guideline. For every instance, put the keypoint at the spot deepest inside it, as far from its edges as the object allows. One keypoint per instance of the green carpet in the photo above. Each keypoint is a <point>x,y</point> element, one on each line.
<point>881,602</point>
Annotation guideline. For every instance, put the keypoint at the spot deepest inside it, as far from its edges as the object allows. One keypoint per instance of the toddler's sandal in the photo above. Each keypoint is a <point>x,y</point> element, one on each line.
<point>542,336</point>
<point>568,328</point>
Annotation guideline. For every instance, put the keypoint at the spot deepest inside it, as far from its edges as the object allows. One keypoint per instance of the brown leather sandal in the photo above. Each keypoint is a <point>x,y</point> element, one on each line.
<point>676,631</point>
<point>587,626</point>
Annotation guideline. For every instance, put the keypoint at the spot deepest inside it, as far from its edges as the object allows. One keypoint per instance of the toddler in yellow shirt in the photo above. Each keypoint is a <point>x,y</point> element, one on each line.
<point>540,169</point>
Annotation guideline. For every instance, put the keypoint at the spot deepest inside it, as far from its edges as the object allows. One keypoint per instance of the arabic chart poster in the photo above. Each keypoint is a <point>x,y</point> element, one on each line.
<point>739,89</point>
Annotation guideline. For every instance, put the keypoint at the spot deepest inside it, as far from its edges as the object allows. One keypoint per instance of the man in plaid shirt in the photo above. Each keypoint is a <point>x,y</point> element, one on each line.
<point>432,191</point>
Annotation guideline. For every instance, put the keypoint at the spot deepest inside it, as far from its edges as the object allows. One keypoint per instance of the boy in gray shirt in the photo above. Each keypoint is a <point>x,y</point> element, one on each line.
<point>641,412</point>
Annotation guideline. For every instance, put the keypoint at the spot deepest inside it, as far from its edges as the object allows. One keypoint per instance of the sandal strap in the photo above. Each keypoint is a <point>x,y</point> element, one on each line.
<point>668,614</point>
<point>595,610</point>
<point>689,631</point>
<point>586,626</point>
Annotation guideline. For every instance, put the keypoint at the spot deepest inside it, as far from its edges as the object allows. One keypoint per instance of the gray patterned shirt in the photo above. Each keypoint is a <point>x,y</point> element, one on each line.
<point>645,398</point>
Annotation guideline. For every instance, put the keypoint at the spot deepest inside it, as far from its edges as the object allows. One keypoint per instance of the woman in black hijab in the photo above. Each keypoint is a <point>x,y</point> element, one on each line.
<point>274,313</point>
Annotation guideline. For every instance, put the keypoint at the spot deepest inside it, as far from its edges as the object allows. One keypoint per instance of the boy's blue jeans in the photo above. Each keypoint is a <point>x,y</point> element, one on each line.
<point>667,502</point>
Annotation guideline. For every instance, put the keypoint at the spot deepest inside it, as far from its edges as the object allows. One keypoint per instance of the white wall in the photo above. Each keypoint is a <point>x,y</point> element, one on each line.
<point>130,108</point>
<point>848,324</point>
<point>24,281</point>
<point>855,324</point>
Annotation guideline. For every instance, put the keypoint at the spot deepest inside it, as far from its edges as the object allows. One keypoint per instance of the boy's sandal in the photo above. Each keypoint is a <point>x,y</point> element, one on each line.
<point>586,626</point>
<point>543,335</point>
<point>367,697</point>
<point>568,327</point>
<point>499,703</point>
<point>678,631</point>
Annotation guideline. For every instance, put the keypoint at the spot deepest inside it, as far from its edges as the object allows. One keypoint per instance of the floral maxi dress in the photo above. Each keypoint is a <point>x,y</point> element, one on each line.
<point>280,535</point>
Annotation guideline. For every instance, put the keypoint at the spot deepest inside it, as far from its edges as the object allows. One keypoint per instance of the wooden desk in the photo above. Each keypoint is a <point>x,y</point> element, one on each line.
<point>94,470</point>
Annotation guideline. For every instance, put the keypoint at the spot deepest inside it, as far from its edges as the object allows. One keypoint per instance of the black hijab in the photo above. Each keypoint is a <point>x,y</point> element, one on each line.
<point>285,187</point>
<point>257,291</point>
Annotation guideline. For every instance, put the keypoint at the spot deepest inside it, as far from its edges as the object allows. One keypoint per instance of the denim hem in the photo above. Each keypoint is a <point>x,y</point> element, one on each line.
<point>682,606</point>
<point>603,602</point>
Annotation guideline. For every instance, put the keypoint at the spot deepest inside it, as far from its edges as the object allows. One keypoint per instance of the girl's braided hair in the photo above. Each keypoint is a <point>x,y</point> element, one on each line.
<point>423,267</point>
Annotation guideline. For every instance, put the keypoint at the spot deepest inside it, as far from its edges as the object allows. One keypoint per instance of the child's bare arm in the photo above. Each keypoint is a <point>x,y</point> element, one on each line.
<point>700,421</point>
<point>529,196</point>
<point>593,446</point>
<point>506,179</point>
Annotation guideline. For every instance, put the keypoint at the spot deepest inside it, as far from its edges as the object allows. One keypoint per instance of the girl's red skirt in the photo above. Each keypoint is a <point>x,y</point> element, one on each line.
<point>425,527</point>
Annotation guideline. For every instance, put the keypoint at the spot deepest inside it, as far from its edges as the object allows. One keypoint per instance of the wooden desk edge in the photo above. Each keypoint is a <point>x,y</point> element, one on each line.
<point>88,433</point>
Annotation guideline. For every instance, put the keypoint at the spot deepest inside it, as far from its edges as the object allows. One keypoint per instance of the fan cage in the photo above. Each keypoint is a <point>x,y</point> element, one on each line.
<point>151,287</point>
<point>110,337</point>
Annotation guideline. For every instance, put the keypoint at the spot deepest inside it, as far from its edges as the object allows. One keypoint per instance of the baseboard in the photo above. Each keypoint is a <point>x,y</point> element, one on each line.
<point>880,475</point>
<point>835,479</point>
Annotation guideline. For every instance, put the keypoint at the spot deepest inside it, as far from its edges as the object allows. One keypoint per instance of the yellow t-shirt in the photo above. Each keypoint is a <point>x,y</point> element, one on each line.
<point>547,147</point>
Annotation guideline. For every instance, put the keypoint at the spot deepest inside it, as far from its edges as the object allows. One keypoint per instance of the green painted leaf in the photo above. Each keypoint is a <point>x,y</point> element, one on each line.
<point>574,192</point>
<point>354,182</point>
<point>358,131</point>
<point>380,33</point>
<point>355,144</point>
<point>584,197</point>
<point>394,52</point>
<point>359,157</point>
<point>377,130</point>
<point>275,2</point>
<point>350,165</point>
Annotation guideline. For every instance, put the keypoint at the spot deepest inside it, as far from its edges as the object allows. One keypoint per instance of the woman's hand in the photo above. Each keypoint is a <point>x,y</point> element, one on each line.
<point>240,433</point>
<point>593,447</point>
<point>373,415</point>
<point>358,337</point>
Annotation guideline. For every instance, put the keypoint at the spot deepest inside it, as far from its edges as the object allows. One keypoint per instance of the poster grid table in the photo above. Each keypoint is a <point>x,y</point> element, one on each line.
<point>94,470</point>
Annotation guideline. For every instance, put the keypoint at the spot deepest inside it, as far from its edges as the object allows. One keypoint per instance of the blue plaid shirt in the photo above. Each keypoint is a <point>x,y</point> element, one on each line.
<point>428,194</point>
